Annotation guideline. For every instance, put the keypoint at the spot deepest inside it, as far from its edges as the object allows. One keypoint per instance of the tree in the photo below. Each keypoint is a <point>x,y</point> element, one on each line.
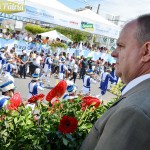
<point>36,29</point>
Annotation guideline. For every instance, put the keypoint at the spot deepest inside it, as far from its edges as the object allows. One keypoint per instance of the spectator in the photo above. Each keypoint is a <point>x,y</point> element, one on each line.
<point>126,124</point>
<point>28,38</point>
<point>23,66</point>
<point>46,40</point>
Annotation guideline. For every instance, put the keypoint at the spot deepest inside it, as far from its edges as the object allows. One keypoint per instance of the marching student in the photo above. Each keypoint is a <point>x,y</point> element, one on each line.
<point>34,86</point>
<point>9,70</point>
<point>62,68</point>
<point>2,60</point>
<point>89,78</point>
<point>7,92</point>
<point>71,89</point>
<point>47,68</point>
<point>106,77</point>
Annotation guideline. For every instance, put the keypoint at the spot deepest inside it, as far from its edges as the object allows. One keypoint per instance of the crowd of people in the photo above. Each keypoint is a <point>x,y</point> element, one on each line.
<point>62,66</point>
<point>126,123</point>
<point>24,36</point>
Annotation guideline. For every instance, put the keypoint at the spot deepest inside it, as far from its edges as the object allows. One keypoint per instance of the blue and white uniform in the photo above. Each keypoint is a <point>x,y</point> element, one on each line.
<point>62,69</point>
<point>112,73</point>
<point>3,101</point>
<point>8,72</point>
<point>47,66</point>
<point>2,63</point>
<point>9,68</point>
<point>47,70</point>
<point>6,87</point>
<point>87,80</point>
<point>106,77</point>
<point>33,88</point>
<point>68,97</point>
<point>71,89</point>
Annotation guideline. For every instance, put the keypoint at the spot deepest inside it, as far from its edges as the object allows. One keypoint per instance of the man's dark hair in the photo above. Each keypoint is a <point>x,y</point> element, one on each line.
<point>143,31</point>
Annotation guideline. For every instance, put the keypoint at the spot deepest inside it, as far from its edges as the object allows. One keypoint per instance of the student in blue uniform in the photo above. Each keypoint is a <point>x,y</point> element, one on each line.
<point>47,69</point>
<point>89,78</point>
<point>62,69</point>
<point>8,70</point>
<point>112,73</point>
<point>71,89</point>
<point>106,77</point>
<point>2,61</point>
<point>34,86</point>
<point>7,92</point>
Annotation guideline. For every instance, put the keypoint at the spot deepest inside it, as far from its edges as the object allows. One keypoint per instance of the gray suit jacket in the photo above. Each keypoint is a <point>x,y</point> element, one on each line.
<point>126,125</point>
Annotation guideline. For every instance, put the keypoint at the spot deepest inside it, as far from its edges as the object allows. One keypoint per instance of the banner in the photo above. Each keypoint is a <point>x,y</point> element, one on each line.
<point>23,45</point>
<point>33,13</point>
<point>11,7</point>
<point>86,26</point>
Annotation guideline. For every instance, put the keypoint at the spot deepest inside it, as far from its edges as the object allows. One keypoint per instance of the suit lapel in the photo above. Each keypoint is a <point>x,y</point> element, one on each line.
<point>139,87</point>
<point>120,98</point>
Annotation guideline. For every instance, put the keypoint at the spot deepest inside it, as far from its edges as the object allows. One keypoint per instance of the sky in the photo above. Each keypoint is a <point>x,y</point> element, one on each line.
<point>126,9</point>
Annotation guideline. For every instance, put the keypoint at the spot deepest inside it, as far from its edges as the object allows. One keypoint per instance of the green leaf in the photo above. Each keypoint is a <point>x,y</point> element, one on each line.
<point>29,122</point>
<point>65,141</point>
<point>11,126</point>
<point>69,136</point>
<point>15,120</point>
<point>48,147</point>
<point>14,113</point>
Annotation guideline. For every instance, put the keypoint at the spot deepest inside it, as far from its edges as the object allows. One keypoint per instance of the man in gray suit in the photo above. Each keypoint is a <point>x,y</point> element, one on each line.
<point>126,125</point>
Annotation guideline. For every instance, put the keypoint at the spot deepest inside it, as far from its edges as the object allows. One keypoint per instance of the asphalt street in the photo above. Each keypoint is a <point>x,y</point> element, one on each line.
<point>22,87</point>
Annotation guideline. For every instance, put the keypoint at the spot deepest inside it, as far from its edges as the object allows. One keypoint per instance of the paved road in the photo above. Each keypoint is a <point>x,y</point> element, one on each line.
<point>22,87</point>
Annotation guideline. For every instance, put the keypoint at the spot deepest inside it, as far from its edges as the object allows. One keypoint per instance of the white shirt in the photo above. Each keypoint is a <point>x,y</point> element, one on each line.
<point>75,68</point>
<point>37,61</point>
<point>71,63</point>
<point>135,82</point>
<point>28,39</point>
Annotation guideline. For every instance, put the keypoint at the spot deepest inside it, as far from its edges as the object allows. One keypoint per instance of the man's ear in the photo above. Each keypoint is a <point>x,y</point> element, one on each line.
<point>146,52</point>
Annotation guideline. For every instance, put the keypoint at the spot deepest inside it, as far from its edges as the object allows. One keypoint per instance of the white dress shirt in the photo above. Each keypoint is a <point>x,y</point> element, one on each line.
<point>135,82</point>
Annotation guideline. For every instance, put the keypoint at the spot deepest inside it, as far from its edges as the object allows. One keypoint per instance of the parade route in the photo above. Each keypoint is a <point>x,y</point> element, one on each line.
<point>22,87</point>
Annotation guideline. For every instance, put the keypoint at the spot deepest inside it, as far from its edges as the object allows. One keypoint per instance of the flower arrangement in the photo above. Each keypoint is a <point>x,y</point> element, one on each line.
<point>61,126</point>
<point>53,124</point>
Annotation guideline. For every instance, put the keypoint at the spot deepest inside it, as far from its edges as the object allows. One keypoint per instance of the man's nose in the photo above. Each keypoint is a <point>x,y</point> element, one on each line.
<point>114,53</point>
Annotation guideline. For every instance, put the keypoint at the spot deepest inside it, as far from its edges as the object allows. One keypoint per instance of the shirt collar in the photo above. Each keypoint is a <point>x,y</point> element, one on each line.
<point>135,82</point>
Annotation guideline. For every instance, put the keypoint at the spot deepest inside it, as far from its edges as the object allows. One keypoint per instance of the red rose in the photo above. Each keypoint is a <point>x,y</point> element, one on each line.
<point>89,100</point>
<point>32,99</point>
<point>15,102</point>
<point>68,124</point>
<point>58,90</point>
<point>35,98</point>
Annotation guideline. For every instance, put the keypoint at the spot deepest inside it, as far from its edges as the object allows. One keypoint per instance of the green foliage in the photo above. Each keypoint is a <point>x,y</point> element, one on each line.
<point>20,130</point>
<point>36,29</point>
<point>116,89</point>
<point>73,34</point>
<point>54,45</point>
